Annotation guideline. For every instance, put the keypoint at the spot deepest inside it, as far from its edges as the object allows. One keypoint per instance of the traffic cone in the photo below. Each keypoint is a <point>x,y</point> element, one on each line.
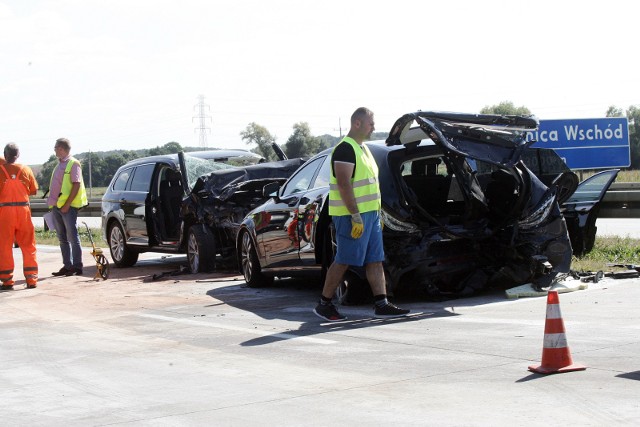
<point>556,357</point>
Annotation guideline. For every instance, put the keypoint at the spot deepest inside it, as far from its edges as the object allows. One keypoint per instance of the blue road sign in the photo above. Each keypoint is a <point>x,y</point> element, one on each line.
<point>586,143</point>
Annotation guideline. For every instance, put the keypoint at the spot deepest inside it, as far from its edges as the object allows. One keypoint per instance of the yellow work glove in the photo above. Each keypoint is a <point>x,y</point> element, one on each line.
<point>357,227</point>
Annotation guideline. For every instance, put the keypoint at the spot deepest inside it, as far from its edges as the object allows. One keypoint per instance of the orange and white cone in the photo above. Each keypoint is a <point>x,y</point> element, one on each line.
<point>556,357</point>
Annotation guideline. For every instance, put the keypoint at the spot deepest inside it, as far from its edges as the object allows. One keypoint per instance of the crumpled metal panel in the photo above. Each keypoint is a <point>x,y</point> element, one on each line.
<point>222,198</point>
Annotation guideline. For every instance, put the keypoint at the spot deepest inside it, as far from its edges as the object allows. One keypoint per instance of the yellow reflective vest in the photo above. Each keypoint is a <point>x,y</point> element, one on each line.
<point>366,188</point>
<point>81,198</point>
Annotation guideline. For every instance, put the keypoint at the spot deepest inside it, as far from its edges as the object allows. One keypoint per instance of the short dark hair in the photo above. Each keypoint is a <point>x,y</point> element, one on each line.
<point>11,152</point>
<point>64,143</point>
<point>361,113</point>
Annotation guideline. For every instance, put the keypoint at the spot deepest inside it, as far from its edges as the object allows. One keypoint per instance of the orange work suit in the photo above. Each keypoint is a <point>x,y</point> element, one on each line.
<point>16,184</point>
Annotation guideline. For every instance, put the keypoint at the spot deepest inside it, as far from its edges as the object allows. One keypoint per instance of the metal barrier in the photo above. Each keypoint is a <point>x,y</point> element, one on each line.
<point>39,208</point>
<point>621,201</point>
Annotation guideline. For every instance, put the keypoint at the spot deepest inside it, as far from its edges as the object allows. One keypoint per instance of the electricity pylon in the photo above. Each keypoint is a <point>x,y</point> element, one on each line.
<point>202,120</point>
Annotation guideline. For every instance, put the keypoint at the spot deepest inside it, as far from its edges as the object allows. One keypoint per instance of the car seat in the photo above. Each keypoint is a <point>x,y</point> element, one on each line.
<point>431,189</point>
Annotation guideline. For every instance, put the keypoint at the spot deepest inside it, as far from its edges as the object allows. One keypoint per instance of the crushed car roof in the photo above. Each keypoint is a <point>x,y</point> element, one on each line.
<point>222,184</point>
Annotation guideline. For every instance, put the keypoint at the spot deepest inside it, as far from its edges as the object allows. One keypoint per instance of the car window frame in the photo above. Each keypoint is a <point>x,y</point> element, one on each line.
<point>132,180</point>
<point>297,176</point>
<point>326,165</point>
<point>116,180</point>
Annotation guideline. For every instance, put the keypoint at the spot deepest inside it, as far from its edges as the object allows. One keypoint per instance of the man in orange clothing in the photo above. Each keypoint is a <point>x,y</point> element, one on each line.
<point>17,183</point>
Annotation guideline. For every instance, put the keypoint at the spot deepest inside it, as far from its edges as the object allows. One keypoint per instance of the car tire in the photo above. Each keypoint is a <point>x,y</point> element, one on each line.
<point>121,254</point>
<point>352,288</point>
<point>250,265</point>
<point>201,249</point>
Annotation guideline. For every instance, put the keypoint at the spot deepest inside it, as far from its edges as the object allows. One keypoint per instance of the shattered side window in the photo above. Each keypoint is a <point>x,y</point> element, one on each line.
<point>197,167</point>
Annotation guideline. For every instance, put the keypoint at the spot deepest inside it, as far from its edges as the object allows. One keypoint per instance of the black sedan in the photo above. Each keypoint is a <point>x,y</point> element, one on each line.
<point>462,211</point>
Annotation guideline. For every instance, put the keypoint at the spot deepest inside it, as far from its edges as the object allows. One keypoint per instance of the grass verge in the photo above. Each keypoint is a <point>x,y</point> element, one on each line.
<point>49,237</point>
<point>609,250</point>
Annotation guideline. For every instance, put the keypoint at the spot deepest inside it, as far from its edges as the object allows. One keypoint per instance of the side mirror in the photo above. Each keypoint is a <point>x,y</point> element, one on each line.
<point>271,189</point>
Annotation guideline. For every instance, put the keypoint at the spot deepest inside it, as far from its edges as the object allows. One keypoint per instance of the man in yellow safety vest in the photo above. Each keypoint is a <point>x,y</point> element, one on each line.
<point>354,205</point>
<point>66,196</point>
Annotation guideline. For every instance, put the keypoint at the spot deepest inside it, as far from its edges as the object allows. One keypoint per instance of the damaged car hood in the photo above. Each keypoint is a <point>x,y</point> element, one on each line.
<point>224,183</point>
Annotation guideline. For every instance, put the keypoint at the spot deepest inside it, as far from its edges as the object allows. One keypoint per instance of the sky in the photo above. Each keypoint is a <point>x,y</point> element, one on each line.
<point>127,74</point>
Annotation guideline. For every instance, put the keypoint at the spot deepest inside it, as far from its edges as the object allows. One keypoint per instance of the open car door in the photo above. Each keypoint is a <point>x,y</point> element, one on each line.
<point>581,210</point>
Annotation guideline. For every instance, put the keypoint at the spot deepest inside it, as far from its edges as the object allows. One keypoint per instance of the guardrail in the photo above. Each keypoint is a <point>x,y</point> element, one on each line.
<point>39,208</point>
<point>621,201</point>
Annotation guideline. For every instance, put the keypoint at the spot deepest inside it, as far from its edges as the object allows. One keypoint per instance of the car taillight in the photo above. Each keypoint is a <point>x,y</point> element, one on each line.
<point>540,213</point>
<point>397,225</point>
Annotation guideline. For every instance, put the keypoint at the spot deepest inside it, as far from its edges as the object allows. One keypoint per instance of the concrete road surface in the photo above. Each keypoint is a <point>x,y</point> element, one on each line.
<point>205,350</point>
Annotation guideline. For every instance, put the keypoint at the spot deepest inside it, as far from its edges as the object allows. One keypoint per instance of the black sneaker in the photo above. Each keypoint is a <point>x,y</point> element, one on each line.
<point>63,272</point>
<point>6,287</point>
<point>328,312</point>
<point>389,311</point>
<point>77,271</point>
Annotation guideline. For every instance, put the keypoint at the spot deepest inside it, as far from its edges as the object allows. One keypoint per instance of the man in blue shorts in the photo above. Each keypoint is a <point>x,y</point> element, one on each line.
<point>354,204</point>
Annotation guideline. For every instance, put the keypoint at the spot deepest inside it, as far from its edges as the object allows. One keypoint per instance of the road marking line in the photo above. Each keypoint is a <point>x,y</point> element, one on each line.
<point>282,335</point>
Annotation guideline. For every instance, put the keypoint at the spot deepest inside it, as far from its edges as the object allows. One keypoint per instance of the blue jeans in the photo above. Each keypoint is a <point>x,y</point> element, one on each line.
<point>67,232</point>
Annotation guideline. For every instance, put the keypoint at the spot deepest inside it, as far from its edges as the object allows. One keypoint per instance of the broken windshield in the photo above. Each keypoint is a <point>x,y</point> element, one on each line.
<point>196,167</point>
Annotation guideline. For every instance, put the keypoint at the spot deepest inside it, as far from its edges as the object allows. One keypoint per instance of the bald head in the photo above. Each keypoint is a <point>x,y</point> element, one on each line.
<point>362,125</point>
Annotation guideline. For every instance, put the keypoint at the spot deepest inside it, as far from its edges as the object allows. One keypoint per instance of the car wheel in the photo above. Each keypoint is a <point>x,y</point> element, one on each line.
<point>352,289</point>
<point>250,265</point>
<point>201,249</point>
<point>121,254</point>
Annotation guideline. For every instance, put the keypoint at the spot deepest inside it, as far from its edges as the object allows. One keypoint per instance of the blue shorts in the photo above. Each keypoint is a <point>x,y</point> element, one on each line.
<point>365,250</point>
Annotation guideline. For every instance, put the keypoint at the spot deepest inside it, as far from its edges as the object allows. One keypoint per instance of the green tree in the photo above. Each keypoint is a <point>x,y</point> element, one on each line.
<point>94,165</point>
<point>168,148</point>
<point>633,116</point>
<point>259,135</point>
<point>506,108</point>
<point>614,111</point>
<point>301,143</point>
<point>44,176</point>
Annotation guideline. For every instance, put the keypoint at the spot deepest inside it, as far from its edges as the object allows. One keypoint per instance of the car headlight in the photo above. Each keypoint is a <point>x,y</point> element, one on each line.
<point>397,225</point>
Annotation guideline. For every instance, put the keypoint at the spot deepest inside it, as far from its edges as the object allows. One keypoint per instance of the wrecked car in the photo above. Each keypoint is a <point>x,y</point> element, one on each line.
<point>217,203</point>
<point>461,211</point>
<point>142,209</point>
<point>579,202</point>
